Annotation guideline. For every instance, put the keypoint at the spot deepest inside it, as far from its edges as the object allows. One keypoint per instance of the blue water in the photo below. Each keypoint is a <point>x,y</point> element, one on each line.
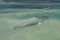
<point>11,10</point>
<point>6,8</point>
<point>37,15</point>
<point>29,5</point>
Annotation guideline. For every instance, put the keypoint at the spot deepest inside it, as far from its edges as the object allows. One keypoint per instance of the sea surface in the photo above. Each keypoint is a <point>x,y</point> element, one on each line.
<point>16,15</point>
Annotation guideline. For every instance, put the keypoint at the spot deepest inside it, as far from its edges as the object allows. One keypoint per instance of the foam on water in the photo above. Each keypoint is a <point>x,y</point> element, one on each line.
<point>23,23</point>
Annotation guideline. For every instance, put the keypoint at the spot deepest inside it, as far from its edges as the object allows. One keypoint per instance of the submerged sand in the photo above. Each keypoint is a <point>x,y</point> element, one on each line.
<point>48,30</point>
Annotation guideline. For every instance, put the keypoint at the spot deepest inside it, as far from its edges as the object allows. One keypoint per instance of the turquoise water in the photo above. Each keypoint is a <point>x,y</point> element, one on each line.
<point>54,15</point>
<point>15,15</point>
<point>48,30</point>
<point>30,5</point>
<point>50,14</point>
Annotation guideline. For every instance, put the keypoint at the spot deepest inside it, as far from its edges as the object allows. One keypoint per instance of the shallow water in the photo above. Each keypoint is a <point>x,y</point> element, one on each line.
<point>48,30</point>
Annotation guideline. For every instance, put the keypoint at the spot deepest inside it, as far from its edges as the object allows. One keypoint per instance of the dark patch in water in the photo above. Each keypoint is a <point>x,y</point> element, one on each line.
<point>51,15</point>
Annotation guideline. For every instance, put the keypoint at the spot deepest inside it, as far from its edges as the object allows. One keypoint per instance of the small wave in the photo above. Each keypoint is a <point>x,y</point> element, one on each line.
<point>23,23</point>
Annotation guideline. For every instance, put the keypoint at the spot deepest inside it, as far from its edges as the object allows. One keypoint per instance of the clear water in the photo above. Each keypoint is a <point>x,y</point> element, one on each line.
<point>12,17</point>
